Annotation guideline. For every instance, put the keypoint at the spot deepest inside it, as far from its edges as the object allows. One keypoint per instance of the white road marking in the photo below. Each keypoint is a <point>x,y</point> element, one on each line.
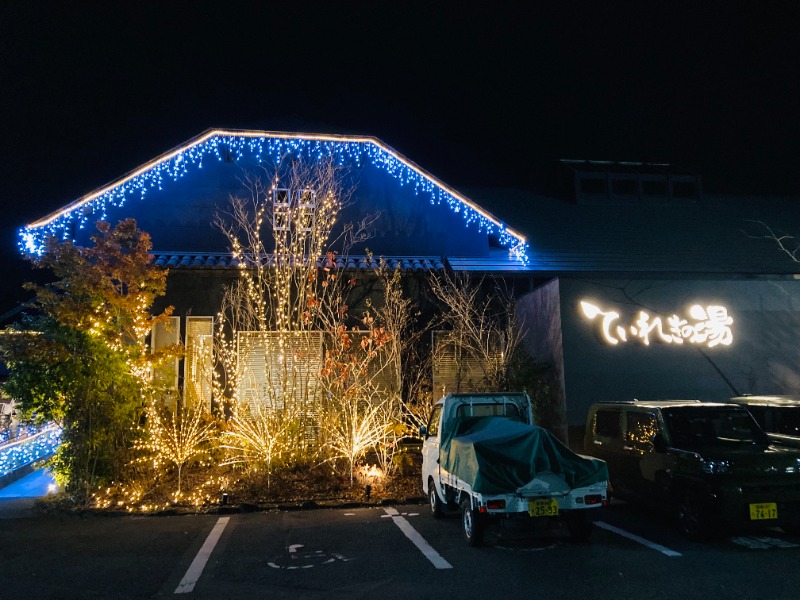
<point>198,564</point>
<point>412,534</point>
<point>638,539</point>
<point>762,543</point>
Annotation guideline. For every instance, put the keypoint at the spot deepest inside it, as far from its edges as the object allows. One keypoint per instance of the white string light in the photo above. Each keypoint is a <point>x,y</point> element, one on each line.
<point>261,146</point>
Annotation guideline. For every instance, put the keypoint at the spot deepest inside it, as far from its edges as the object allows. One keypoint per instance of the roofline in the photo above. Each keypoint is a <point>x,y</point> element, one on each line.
<point>210,133</point>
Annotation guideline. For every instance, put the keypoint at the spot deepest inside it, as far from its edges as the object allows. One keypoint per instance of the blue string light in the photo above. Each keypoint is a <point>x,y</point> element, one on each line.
<point>260,148</point>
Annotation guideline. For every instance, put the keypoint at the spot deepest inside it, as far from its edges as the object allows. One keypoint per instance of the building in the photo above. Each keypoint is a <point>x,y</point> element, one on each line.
<point>633,281</point>
<point>392,211</point>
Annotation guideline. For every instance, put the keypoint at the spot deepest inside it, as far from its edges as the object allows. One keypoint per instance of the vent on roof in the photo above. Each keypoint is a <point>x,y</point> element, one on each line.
<point>596,181</point>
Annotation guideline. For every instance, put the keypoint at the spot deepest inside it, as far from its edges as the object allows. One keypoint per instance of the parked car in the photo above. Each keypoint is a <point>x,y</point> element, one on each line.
<point>708,463</point>
<point>779,416</point>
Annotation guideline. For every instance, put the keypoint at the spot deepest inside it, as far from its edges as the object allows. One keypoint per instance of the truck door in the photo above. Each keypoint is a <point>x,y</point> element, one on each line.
<point>430,447</point>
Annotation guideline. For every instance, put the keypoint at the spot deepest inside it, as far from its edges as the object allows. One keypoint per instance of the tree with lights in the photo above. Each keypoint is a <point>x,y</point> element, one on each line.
<point>481,325</point>
<point>81,360</point>
<point>290,308</point>
<point>176,437</point>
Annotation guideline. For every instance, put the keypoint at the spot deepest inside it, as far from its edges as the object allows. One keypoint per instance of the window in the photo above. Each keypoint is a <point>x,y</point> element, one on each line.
<point>306,207</point>
<point>433,422</point>
<point>654,188</point>
<point>281,210</point>
<point>198,367</point>
<point>684,189</point>
<point>490,410</point>
<point>593,185</point>
<point>641,429</point>
<point>166,334</point>
<point>607,423</point>
<point>624,187</point>
<point>787,421</point>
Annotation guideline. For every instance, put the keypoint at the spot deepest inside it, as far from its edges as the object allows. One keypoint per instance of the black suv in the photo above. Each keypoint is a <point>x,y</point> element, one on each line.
<point>779,416</point>
<point>709,463</point>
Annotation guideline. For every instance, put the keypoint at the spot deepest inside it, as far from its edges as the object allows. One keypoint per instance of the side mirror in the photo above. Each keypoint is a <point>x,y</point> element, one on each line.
<point>423,431</point>
<point>659,443</point>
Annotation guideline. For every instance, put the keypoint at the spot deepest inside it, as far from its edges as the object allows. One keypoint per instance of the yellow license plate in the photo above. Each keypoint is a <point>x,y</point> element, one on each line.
<point>763,511</point>
<point>543,508</point>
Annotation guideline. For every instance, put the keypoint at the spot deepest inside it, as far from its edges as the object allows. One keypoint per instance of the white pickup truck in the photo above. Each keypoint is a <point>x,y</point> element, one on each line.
<point>482,453</point>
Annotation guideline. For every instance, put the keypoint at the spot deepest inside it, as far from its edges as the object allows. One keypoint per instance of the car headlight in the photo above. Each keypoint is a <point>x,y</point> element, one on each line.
<point>715,467</point>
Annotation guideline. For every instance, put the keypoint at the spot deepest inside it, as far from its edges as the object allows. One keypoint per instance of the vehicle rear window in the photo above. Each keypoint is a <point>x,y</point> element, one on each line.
<point>695,427</point>
<point>490,410</point>
<point>607,423</point>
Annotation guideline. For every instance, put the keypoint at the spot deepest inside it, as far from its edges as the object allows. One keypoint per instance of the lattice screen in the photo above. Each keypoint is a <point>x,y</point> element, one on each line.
<point>280,370</point>
<point>454,370</point>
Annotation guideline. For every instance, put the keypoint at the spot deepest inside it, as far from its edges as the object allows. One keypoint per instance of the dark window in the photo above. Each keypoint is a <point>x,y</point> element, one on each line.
<point>624,187</point>
<point>787,421</point>
<point>606,423</point>
<point>684,189</point>
<point>696,428</point>
<point>654,188</point>
<point>594,185</point>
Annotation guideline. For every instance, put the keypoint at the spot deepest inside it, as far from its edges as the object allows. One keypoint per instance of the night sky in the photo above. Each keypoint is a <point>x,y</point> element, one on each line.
<point>485,96</point>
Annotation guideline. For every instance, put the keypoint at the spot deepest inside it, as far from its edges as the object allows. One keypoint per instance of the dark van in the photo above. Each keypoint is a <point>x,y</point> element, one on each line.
<point>708,463</point>
<point>778,416</point>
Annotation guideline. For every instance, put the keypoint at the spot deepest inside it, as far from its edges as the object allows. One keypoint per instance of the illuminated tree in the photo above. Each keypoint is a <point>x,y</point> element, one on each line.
<point>481,326</point>
<point>290,307</point>
<point>176,437</point>
<point>81,361</point>
<point>261,438</point>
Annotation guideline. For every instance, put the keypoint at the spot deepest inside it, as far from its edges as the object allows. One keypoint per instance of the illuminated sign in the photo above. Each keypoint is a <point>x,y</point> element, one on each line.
<point>708,326</point>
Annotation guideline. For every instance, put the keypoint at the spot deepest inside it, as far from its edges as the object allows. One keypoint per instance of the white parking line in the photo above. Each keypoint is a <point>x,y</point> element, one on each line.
<point>198,564</point>
<point>412,534</point>
<point>638,539</point>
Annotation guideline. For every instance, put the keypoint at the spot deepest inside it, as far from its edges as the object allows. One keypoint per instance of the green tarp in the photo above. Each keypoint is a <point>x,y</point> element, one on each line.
<point>498,456</point>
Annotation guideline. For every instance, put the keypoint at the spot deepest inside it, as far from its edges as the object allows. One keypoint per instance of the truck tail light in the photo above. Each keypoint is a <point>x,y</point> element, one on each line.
<point>593,499</point>
<point>496,504</point>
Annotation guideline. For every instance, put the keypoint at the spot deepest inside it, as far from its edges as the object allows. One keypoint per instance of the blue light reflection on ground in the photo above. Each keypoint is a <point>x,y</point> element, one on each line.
<point>33,485</point>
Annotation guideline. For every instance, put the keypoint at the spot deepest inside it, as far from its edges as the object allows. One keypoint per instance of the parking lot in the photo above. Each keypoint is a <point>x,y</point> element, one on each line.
<point>386,552</point>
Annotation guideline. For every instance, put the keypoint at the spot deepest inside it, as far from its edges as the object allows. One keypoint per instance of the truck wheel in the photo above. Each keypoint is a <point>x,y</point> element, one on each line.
<point>437,508</point>
<point>691,517</point>
<point>472,524</point>
<point>579,524</point>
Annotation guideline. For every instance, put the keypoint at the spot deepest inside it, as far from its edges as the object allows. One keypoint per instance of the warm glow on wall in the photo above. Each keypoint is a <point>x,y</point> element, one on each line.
<point>708,326</point>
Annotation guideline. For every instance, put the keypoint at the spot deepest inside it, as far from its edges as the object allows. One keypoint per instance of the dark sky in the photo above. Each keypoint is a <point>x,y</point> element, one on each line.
<point>479,96</point>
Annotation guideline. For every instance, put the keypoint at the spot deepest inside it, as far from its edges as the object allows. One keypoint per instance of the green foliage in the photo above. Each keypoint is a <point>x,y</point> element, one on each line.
<point>64,375</point>
<point>82,360</point>
<point>524,373</point>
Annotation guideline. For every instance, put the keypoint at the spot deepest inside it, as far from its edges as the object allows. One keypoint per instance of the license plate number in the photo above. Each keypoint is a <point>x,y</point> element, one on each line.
<point>763,511</point>
<point>543,508</point>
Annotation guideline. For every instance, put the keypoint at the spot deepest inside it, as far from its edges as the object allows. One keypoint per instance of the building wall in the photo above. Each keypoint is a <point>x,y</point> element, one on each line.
<point>763,358</point>
<point>540,313</point>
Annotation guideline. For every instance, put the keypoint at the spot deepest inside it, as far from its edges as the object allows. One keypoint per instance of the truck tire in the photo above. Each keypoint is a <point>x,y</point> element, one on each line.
<point>436,504</point>
<point>579,524</point>
<point>471,523</point>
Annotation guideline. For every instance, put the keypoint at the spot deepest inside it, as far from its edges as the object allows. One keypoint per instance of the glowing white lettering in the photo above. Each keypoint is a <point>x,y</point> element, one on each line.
<point>708,326</point>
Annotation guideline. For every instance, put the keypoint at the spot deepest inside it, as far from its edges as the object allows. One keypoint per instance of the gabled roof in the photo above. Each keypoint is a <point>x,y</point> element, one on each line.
<point>221,144</point>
